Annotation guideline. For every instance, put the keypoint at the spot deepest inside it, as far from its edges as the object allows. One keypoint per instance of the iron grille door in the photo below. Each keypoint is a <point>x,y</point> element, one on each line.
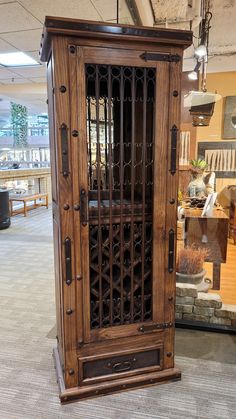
<point>120,108</point>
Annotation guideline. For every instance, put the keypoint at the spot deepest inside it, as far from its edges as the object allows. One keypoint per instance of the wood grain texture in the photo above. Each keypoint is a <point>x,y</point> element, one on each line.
<point>62,116</point>
<point>102,30</point>
<point>159,189</point>
<point>55,209</point>
<point>76,161</point>
<point>171,209</point>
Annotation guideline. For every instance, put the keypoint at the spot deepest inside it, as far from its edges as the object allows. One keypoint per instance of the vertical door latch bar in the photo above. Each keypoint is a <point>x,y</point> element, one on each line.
<point>83,207</point>
<point>64,150</point>
<point>67,243</point>
<point>174,132</point>
<point>171,250</point>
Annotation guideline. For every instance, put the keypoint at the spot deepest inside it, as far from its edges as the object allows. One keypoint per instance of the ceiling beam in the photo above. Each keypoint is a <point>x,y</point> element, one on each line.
<point>131,4</point>
<point>145,12</point>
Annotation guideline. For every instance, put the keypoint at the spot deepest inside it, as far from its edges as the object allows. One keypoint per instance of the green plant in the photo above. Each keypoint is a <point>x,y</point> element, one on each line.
<point>19,121</point>
<point>190,260</point>
<point>199,164</point>
<point>180,197</point>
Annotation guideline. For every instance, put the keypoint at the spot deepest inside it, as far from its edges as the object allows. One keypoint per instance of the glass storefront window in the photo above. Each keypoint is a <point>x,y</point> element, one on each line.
<point>206,234</point>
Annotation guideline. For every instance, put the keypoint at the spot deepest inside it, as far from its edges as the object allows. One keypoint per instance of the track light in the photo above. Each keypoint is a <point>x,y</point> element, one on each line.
<point>201,51</point>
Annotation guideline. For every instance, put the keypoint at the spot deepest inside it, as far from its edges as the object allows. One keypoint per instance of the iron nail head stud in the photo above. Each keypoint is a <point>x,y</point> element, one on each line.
<point>62,89</point>
<point>72,49</point>
<point>69,311</point>
<point>75,133</point>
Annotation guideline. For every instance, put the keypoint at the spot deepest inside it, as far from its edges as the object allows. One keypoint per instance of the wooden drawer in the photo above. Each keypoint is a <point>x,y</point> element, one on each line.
<point>110,366</point>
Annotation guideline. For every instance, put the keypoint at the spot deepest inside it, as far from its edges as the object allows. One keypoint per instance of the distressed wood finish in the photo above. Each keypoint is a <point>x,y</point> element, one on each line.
<point>126,197</point>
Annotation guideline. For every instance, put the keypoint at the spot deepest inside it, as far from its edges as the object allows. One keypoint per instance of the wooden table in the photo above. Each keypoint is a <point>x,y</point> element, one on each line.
<point>214,230</point>
<point>37,198</point>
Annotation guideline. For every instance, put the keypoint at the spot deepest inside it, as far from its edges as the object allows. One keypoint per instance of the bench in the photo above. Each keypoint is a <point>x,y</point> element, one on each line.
<point>40,199</point>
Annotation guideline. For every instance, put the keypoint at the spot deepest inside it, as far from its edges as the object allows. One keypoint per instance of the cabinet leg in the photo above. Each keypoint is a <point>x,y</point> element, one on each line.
<point>216,276</point>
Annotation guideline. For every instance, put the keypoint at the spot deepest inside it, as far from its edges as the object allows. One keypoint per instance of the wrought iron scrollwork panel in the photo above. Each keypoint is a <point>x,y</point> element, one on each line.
<point>120,109</point>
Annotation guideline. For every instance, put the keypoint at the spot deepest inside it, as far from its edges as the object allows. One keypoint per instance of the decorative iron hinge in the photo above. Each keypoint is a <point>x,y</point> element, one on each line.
<point>64,150</point>
<point>150,56</point>
<point>174,134</point>
<point>68,266</point>
<point>171,251</point>
<point>150,327</point>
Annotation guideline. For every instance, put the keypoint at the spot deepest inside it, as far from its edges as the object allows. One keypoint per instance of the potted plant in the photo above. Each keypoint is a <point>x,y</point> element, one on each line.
<point>189,268</point>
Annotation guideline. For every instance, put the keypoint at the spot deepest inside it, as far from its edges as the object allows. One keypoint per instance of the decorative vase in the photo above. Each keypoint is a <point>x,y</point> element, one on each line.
<point>197,186</point>
<point>203,284</point>
<point>191,278</point>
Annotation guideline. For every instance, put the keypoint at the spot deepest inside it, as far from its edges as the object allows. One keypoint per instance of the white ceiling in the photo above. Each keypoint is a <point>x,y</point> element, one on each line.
<point>21,23</point>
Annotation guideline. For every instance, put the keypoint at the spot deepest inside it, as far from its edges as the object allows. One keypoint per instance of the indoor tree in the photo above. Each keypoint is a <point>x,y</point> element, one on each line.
<point>19,121</point>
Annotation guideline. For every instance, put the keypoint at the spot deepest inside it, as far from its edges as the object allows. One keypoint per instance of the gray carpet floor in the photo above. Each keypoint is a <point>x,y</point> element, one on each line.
<point>28,387</point>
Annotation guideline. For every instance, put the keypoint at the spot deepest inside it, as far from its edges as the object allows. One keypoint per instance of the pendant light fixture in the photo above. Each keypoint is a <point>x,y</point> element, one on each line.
<point>201,102</point>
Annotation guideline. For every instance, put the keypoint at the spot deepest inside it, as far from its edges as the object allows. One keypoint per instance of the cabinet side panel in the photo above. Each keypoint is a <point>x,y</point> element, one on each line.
<point>175,75</point>
<point>56,219</point>
<point>64,134</point>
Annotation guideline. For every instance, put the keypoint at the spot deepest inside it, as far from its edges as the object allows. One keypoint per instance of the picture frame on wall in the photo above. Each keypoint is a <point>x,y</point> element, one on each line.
<point>229,127</point>
<point>220,157</point>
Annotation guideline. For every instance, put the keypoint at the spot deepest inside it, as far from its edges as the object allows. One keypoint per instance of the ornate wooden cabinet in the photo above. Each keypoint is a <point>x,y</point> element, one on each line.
<point>114,103</point>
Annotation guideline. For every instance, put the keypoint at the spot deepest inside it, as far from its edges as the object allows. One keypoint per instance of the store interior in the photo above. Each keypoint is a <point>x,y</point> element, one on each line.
<point>205,311</point>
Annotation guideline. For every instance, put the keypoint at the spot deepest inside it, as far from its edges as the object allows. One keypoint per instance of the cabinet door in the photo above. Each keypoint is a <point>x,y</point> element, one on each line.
<point>122,111</point>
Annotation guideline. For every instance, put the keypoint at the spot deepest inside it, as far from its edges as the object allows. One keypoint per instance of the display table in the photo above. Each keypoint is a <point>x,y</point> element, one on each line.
<point>210,233</point>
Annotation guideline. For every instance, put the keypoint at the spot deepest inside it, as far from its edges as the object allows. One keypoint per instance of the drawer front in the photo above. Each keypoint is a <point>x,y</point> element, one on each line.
<point>115,365</point>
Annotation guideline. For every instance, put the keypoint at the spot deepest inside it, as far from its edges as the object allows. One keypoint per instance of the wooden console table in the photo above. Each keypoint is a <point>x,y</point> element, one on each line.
<point>210,233</point>
<point>37,198</point>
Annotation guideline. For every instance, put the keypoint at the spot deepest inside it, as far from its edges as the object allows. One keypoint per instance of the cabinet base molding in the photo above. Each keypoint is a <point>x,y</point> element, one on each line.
<point>109,387</point>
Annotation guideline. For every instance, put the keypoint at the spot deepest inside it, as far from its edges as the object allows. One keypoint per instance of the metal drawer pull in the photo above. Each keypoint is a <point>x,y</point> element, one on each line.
<point>121,366</point>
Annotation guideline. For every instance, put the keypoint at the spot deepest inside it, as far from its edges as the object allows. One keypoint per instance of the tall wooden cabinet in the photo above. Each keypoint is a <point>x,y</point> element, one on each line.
<point>114,104</point>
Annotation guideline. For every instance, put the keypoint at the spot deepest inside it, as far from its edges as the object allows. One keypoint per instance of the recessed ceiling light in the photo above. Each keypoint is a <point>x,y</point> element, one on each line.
<point>17,59</point>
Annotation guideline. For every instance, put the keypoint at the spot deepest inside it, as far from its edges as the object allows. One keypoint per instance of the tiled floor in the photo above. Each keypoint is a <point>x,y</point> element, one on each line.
<point>28,386</point>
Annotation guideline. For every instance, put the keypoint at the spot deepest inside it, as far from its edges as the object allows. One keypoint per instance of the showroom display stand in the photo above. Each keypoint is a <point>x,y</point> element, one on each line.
<point>114,110</point>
